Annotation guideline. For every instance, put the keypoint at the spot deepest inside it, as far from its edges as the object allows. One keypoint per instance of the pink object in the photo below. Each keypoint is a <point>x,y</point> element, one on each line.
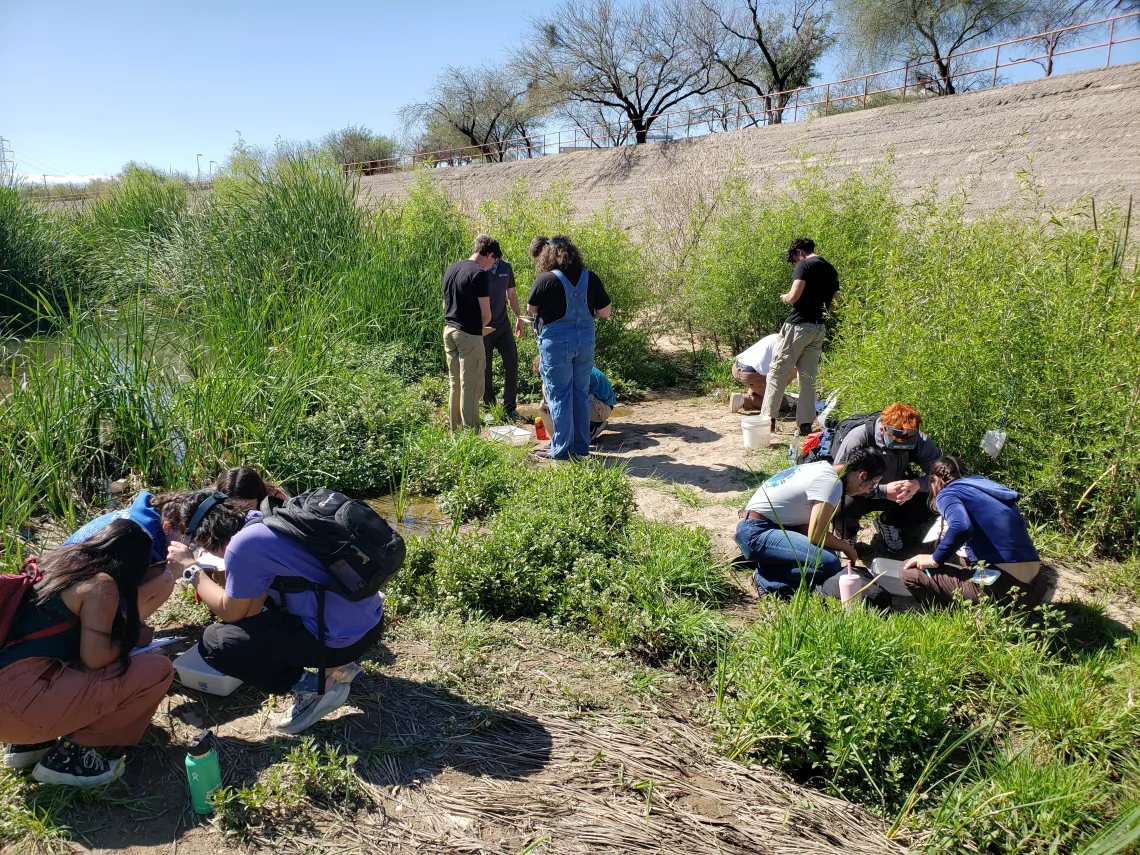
<point>849,584</point>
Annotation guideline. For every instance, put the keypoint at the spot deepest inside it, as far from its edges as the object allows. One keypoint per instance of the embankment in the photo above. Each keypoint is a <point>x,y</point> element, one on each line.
<point>1075,133</point>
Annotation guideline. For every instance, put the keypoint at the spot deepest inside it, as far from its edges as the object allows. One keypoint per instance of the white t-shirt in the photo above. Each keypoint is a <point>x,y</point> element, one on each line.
<point>787,497</point>
<point>759,356</point>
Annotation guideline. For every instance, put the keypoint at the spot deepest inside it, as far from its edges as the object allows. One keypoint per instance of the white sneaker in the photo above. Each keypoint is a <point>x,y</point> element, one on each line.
<point>309,707</point>
<point>736,402</point>
<point>891,535</point>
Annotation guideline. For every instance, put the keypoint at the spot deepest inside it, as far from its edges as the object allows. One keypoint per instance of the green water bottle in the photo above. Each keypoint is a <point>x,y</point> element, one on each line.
<point>203,771</point>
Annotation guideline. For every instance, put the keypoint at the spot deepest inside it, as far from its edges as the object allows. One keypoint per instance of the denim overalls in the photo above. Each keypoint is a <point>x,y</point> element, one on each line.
<point>566,348</point>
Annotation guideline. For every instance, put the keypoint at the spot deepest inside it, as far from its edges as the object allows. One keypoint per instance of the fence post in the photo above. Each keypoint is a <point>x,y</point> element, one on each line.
<point>827,99</point>
<point>796,109</point>
<point>906,76</point>
<point>997,56</point>
<point>865,81</point>
<point>1111,35</point>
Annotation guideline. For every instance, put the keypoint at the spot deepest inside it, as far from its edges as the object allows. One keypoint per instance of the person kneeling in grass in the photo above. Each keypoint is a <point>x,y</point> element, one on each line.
<point>68,684</point>
<point>982,517</point>
<point>785,526</point>
<point>268,639</point>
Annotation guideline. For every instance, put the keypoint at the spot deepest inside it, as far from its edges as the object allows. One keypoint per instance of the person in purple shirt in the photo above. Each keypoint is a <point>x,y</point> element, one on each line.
<point>268,639</point>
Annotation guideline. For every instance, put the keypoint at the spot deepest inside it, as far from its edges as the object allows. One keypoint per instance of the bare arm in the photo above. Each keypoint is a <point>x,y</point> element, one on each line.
<point>532,310</point>
<point>513,300</point>
<point>606,312</point>
<point>485,310</point>
<point>96,602</point>
<point>819,531</point>
<point>795,293</point>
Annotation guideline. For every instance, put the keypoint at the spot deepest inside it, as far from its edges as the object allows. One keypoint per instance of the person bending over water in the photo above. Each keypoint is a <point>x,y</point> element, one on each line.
<point>68,684</point>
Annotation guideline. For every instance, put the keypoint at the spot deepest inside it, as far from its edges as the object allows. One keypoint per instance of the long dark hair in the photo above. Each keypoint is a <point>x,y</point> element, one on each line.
<point>121,549</point>
<point>559,254</point>
<point>221,522</point>
<point>242,482</point>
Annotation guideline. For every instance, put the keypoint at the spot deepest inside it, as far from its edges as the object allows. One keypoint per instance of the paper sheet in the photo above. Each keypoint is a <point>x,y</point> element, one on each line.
<point>157,643</point>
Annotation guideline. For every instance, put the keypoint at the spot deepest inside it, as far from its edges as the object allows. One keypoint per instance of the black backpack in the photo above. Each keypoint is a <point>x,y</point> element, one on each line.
<point>358,548</point>
<point>832,436</point>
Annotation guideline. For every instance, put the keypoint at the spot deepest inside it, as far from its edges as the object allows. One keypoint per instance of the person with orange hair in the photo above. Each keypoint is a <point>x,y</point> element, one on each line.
<point>901,494</point>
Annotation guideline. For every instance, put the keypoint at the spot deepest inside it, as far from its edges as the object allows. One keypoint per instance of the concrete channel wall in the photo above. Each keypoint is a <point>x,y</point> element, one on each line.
<point>1076,134</point>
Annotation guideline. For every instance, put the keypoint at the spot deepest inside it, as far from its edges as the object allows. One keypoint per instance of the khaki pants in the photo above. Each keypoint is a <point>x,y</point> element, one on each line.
<point>800,347</point>
<point>599,413</point>
<point>466,362</point>
<point>756,384</point>
<point>43,699</point>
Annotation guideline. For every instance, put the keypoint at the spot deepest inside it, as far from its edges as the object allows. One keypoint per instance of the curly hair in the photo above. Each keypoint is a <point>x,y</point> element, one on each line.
<point>803,244</point>
<point>901,417</point>
<point>559,254</point>
<point>218,526</point>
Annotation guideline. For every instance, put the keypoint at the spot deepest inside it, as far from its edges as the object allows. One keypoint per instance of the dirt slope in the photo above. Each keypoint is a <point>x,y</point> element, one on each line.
<point>1081,130</point>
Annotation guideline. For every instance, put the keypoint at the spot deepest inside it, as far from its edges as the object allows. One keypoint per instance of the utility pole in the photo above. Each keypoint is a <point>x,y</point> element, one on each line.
<point>5,168</point>
<point>199,168</point>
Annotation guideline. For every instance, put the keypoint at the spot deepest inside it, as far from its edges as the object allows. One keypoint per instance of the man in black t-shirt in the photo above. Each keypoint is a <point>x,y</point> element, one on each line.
<point>501,281</point>
<point>466,314</point>
<point>814,285</point>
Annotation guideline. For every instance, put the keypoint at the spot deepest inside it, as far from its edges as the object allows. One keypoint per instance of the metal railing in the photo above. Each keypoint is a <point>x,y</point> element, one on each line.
<point>969,70</point>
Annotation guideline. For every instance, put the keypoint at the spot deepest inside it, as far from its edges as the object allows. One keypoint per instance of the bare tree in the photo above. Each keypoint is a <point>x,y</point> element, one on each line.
<point>629,62</point>
<point>484,108</point>
<point>1049,16</point>
<point>765,49</point>
<point>357,149</point>
<point>932,33</point>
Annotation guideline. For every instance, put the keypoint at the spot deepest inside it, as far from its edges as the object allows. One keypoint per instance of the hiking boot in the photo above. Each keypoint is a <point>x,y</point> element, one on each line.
<point>514,417</point>
<point>736,402</point>
<point>805,429</point>
<point>891,535</point>
<point>25,756</point>
<point>71,765</point>
<point>309,707</point>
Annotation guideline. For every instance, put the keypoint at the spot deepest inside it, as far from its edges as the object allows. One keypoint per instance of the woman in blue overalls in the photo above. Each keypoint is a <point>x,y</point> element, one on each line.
<point>564,299</point>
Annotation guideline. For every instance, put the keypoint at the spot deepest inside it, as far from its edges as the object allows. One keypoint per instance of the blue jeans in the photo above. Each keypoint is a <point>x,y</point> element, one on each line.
<point>783,558</point>
<point>566,352</point>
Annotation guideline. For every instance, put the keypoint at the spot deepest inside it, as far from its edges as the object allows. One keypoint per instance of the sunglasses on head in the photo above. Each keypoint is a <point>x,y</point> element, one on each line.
<point>898,438</point>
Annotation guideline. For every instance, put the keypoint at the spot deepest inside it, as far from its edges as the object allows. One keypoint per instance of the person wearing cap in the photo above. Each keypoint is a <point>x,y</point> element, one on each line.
<point>751,369</point>
<point>902,495</point>
<point>501,293</point>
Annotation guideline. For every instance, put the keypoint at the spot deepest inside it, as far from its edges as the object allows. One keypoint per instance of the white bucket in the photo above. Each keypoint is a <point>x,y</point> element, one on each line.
<point>195,673</point>
<point>757,431</point>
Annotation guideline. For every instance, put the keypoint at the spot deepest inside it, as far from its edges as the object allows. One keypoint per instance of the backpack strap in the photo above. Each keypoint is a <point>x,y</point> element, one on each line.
<point>46,632</point>
<point>296,585</point>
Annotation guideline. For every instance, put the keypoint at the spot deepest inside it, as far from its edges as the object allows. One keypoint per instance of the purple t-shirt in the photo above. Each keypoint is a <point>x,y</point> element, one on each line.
<point>257,555</point>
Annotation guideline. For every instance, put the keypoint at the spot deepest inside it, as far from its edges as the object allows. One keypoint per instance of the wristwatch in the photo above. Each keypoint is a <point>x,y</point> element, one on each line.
<point>190,574</point>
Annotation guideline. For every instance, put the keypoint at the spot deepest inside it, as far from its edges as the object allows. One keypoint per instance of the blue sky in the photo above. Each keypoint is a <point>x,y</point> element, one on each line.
<point>87,86</point>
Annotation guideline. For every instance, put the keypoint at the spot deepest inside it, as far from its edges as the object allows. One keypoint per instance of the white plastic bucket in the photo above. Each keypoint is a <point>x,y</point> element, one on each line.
<point>195,673</point>
<point>757,431</point>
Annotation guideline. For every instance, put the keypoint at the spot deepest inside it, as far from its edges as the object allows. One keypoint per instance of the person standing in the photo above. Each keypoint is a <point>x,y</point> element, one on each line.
<point>501,291</point>
<point>466,312</point>
<point>564,299</point>
<point>814,285</point>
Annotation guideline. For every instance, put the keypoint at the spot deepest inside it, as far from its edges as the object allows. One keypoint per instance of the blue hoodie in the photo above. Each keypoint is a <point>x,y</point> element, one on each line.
<point>142,513</point>
<point>982,515</point>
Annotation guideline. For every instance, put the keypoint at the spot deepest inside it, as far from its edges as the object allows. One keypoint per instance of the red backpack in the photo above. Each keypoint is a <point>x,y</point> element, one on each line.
<point>14,587</point>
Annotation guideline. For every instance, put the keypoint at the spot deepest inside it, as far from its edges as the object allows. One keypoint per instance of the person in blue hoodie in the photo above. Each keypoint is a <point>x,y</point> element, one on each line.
<point>981,519</point>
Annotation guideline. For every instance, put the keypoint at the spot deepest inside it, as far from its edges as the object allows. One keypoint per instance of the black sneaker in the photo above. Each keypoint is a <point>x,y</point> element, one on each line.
<point>24,756</point>
<point>513,416</point>
<point>72,765</point>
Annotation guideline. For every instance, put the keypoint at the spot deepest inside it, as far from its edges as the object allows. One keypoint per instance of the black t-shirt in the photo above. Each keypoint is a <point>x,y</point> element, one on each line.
<point>821,282</point>
<point>549,296</point>
<point>463,284</point>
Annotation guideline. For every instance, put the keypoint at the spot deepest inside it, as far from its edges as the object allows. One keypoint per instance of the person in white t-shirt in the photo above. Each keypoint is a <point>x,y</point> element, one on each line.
<point>751,369</point>
<point>785,530</point>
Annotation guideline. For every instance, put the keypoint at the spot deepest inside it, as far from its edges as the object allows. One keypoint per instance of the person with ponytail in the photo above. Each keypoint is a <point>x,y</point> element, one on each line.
<point>245,486</point>
<point>68,684</point>
<point>564,300</point>
<point>982,519</point>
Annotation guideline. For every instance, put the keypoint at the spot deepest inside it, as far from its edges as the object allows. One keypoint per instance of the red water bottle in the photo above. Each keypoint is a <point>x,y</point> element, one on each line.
<point>540,429</point>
